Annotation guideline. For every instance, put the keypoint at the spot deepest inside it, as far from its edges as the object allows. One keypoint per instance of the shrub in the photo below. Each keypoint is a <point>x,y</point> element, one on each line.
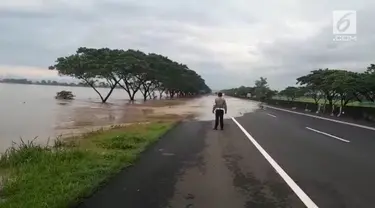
<point>65,95</point>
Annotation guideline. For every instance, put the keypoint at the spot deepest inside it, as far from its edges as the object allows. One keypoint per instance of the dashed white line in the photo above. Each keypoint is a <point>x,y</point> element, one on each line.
<point>297,190</point>
<point>271,115</point>
<point>327,119</point>
<point>330,135</point>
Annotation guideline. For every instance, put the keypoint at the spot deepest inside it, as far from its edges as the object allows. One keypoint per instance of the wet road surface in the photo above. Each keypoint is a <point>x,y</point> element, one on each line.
<point>264,158</point>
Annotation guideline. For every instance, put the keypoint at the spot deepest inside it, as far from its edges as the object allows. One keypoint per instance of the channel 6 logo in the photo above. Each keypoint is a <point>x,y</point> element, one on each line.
<point>344,22</point>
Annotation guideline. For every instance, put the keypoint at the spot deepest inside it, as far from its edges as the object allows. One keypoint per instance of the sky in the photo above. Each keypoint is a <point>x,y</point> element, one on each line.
<point>229,43</point>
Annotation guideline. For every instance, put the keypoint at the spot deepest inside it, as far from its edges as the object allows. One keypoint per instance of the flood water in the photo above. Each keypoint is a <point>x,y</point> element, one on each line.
<point>28,111</point>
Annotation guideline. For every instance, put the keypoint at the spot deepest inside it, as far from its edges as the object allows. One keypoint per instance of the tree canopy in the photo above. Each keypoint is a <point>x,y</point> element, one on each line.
<point>260,91</point>
<point>132,70</point>
<point>334,86</point>
<point>292,92</point>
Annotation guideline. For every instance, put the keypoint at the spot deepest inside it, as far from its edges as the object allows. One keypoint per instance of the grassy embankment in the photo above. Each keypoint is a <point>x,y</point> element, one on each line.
<point>311,100</point>
<point>58,176</point>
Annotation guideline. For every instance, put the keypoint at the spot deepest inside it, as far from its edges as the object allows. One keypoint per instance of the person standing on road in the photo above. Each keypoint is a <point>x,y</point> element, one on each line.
<point>219,108</point>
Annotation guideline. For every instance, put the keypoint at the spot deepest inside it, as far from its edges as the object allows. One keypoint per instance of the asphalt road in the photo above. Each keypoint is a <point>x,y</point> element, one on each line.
<point>267,158</point>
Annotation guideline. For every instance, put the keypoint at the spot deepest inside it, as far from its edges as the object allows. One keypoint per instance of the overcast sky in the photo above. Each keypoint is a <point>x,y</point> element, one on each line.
<point>230,43</point>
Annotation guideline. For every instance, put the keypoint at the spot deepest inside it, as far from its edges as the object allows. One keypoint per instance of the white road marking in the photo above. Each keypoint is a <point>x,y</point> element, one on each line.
<point>297,190</point>
<point>330,135</point>
<point>327,119</point>
<point>271,115</point>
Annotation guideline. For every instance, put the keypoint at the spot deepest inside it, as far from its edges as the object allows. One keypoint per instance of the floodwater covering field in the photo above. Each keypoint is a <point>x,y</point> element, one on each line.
<point>30,111</point>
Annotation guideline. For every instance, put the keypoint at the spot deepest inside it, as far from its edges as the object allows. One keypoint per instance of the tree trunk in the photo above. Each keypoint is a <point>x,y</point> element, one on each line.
<point>145,91</point>
<point>171,94</point>
<point>161,94</point>
<point>340,111</point>
<point>318,110</point>
<point>316,100</point>
<point>144,97</point>
<point>100,95</point>
<point>324,105</point>
<point>109,94</point>
<point>333,108</point>
<point>306,107</point>
<point>129,89</point>
<point>132,96</point>
<point>343,104</point>
<point>329,98</point>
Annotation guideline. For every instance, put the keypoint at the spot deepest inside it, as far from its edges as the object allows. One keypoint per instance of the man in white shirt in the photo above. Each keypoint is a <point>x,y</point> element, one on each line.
<point>219,108</point>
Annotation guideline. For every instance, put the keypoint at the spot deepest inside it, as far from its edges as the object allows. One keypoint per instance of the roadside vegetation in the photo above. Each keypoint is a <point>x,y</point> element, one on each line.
<point>331,87</point>
<point>58,175</point>
<point>132,70</point>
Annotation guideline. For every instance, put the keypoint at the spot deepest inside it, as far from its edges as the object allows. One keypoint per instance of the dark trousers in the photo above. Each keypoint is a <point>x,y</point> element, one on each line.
<point>219,115</point>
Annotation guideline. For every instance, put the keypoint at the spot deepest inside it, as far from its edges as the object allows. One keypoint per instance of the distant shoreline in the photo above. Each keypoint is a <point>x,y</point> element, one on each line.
<point>45,83</point>
<point>51,85</point>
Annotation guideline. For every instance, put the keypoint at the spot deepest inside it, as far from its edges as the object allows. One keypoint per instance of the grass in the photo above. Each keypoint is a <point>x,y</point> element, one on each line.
<point>311,100</point>
<point>58,176</point>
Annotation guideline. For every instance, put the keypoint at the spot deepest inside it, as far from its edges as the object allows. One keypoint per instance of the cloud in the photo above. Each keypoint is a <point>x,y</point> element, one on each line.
<point>230,43</point>
<point>16,71</point>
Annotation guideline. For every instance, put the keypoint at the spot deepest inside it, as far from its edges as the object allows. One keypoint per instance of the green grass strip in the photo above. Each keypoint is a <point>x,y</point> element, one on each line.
<point>58,176</point>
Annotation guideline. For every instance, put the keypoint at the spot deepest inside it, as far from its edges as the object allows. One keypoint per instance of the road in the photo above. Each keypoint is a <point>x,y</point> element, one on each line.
<point>264,158</point>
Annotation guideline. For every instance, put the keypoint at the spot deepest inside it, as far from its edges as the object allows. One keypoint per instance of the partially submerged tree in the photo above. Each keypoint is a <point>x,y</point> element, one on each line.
<point>90,66</point>
<point>64,95</point>
<point>132,70</point>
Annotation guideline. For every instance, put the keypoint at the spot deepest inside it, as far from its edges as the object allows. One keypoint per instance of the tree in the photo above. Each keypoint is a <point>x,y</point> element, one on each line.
<point>320,83</point>
<point>291,93</point>
<point>314,93</point>
<point>90,65</point>
<point>366,84</point>
<point>344,83</point>
<point>271,93</point>
<point>131,69</point>
<point>65,95</point>
<point>261,88</point>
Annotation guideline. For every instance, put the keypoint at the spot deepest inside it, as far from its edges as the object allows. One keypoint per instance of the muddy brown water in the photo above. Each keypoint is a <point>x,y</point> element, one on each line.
<point>29,111</point>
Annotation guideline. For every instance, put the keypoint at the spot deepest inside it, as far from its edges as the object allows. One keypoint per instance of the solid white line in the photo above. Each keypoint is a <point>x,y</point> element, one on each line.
<point>328,119</point>
<point>271,115</point>
<point>297,190</point>
<point>330,135</point>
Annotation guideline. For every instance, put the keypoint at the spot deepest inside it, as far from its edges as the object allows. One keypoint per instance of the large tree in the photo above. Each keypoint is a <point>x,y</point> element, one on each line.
<point>319,82</point>
<point>261,88</point>
<point>291,93</point>
<point>344,83</point>
<point>132,70</point>
<point>366,84</point>
<point>90,65</point>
